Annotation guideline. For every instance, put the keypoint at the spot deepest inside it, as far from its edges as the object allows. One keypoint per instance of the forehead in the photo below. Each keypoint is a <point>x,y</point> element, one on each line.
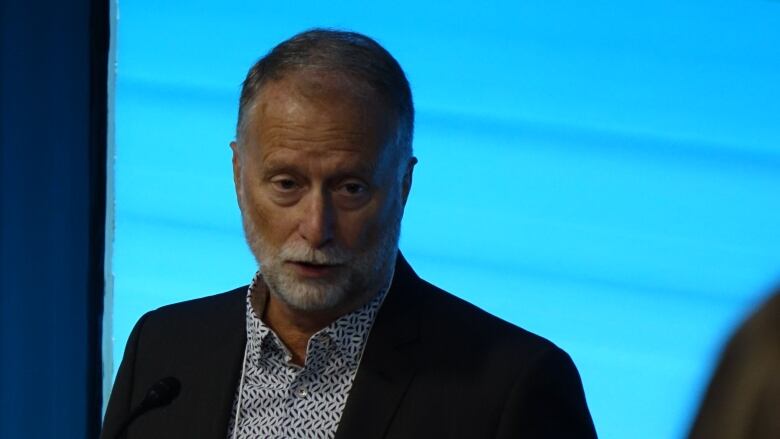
<point>317,113</point>
<point>321,97</point>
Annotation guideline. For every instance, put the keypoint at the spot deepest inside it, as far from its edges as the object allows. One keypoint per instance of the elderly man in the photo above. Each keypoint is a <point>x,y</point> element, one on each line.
<point>336,336</point>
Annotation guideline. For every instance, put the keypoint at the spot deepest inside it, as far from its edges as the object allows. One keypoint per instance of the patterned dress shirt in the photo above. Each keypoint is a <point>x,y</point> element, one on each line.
<point>278,399</point>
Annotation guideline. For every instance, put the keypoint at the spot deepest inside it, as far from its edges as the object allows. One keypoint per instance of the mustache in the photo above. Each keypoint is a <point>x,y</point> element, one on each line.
<point>302,252</point>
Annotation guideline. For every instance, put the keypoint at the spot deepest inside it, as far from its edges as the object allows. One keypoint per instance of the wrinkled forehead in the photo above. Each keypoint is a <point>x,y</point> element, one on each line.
<point>321,110</point>
<point>317,83</point>
<point>334,91</point>
<point>322,100</point>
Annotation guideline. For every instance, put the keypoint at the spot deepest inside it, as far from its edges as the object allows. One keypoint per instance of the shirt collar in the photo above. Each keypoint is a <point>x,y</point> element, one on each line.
<point>347,334</point>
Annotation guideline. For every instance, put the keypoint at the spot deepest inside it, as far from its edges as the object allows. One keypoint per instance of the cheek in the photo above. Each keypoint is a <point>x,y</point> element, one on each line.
<point>267,220</point>
<point>364,229</point>
<point>357,232</point>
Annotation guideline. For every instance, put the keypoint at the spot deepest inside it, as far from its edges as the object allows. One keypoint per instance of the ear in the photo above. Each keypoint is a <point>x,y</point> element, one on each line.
<point>236,169</point>
<point>406,183</point>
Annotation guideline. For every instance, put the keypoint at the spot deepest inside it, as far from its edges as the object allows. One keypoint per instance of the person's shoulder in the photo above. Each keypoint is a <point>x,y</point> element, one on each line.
<point>201,312</point>
<point>452,318</point>
<point>208,304</point>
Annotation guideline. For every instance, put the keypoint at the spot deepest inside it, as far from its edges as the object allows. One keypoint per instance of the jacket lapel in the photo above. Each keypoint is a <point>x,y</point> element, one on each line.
<point>205,357</point>
<point>388,362</point>
<point>221,371</point>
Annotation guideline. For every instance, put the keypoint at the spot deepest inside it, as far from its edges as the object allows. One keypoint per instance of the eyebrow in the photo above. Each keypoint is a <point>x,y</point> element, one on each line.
<point>366,171</point>
<point>273,168</point>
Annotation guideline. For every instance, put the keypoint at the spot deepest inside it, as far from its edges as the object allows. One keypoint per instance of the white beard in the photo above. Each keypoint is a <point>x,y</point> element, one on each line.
<point>361,274</point>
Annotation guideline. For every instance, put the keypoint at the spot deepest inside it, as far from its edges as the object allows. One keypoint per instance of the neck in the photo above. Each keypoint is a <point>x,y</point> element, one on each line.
<point>295,327</point>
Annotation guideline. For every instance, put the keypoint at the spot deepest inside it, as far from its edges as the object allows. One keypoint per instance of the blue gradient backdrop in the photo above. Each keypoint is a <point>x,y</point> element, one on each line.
<point>606,174</point>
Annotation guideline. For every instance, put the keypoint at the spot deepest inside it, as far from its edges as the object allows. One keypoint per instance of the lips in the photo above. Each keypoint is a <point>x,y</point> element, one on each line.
<point>313,270</point>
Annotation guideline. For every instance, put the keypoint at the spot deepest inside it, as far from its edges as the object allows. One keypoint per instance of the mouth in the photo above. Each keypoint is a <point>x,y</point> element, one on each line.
<point>313,270</point>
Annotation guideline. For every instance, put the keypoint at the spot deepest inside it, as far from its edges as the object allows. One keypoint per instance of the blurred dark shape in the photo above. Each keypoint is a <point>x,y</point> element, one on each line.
<point>743,398</point>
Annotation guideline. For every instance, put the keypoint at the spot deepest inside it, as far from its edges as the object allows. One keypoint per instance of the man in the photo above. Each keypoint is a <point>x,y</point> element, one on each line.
<point>336,336</point>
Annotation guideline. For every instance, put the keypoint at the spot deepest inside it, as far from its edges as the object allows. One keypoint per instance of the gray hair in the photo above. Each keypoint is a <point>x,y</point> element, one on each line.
<point>350,53</point>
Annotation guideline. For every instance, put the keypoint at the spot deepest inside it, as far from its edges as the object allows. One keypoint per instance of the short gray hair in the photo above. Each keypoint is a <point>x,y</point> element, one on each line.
<point>349,53</point>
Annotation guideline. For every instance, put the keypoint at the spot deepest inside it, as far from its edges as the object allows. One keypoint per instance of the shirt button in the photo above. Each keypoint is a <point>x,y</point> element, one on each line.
<point>302,392</point>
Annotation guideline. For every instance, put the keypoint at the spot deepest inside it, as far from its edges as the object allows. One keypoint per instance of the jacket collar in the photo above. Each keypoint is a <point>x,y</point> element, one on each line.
<point>389,360</point>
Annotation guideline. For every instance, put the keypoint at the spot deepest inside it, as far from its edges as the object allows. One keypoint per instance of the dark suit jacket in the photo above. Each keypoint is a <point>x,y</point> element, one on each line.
<point>434,366</point>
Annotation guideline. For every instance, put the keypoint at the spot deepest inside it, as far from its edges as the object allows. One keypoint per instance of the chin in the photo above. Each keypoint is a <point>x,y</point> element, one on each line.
<point>366,272</point>
<point>308,295</point>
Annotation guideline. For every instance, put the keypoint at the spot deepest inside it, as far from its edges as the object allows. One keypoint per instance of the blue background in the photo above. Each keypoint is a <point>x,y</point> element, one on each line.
<point>606,174</point>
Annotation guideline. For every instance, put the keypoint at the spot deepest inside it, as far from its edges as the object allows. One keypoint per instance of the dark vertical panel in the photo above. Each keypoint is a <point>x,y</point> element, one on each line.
<point>52,210</point>
<point>99,24</point>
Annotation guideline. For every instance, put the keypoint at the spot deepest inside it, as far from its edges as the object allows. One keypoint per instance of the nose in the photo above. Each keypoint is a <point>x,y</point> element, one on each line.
<point>319,218</point>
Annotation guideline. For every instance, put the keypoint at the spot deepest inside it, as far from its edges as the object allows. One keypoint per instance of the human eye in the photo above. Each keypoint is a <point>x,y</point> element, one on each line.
<point>285,189</point>
<point>353,188</point>
<point>284,183</point>
<point>352,193</point>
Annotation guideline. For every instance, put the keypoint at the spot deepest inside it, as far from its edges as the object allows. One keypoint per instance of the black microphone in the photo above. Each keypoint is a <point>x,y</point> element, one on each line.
<point>160,394</point>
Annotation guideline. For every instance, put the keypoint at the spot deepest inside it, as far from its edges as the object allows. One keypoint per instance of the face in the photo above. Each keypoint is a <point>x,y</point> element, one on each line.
<point>321,190</point>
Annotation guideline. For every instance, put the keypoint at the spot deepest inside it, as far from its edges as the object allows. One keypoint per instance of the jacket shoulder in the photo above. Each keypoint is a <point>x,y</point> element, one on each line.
<point>203,308</point>
<point>483,376</point>
<point>190,326</point>
<point>200,343</point>
<point>463,322</point>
